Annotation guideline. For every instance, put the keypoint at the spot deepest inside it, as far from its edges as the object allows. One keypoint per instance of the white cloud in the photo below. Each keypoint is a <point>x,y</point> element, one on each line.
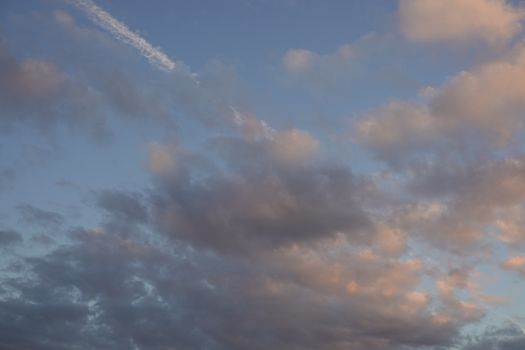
<point>487,100</point>
<point>120,31</point>
<point>297,60</point>
<point>492,21</point>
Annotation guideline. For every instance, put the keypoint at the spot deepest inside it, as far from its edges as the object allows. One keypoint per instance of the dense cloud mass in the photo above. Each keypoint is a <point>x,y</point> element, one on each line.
<point>107,290</point>
<point>242,227</point>
<point>269,198</point>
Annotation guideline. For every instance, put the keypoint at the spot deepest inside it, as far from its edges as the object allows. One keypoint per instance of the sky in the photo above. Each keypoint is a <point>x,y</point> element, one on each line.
<point>262,174</point>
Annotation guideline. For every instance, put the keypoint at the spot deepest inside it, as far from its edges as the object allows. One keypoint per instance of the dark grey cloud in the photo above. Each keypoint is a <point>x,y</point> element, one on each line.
<point>9,237</point>
<point>33,215</point>
<point>259,203</point>
<point>505,337</point>
<point>123,206</point>
<point>108,291</point>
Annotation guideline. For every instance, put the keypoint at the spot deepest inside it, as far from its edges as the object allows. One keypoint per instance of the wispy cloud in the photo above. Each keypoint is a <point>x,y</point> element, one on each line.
<point>120,31</point>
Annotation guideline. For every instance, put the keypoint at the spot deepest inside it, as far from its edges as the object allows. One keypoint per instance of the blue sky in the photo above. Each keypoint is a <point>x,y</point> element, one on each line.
<point>261,174</point>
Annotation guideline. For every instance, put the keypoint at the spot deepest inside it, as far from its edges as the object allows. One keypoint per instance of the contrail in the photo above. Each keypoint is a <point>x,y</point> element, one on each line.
<point>121,32</point>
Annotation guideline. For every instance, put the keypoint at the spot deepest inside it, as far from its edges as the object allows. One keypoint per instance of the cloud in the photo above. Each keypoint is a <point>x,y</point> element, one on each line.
<point>123,206</point>
<point>325,71</point>
<point>491,21</point>
<point>514,263</point>
<point>297,60</point>
<point>505,337</point>
<point>161,159</point>
<point>257,241</point>
<point>272,194</point>
<point>74,89</point>
<point>9,237</point>
<point>485,102</point>
<point>293,145</point>
<point>39,217</point>
<point>38,92</point>
<point>461,204</point>
<point>396,128</point>
<point>108,290</point>
<point>121,32</point>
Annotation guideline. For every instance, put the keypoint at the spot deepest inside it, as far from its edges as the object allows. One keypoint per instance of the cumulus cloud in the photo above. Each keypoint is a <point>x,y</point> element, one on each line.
<point>36,91</point>
<point>485,101</point>
<point>293,145</point>
<point>459,204</point>
<point>514,263</point>
<point>296,60</point>
<point>269,196</point>
<point>256,241</point>
<point>108,290</point>
<point>325,71</point>
<point>491,21</point>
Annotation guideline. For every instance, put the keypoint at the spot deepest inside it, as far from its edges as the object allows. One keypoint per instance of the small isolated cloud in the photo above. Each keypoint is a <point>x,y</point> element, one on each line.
<point>324,70</point>
<point>491,21</point>
<point>299,60</point>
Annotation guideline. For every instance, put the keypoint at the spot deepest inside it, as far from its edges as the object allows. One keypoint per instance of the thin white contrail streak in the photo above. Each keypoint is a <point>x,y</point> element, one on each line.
<point>120,31</point>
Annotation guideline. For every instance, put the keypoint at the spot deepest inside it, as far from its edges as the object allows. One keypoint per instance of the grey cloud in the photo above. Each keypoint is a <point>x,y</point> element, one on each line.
<point>9,237</point>
<point>73,88</point>
<point>259,203</point>
<point>39,217</point>
<point>505,337</point>
<point>36,91</point>
<point>457,203</point>
<point>160,96</point>
<point>123,206</point>
<point>107,291</point>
